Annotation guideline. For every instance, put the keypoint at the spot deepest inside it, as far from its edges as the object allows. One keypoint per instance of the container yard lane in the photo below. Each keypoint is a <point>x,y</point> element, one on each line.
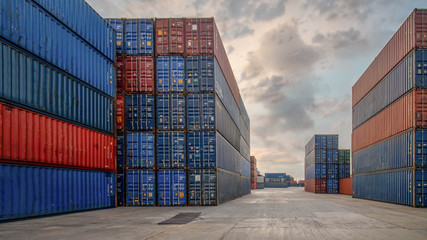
<point>269,213</point>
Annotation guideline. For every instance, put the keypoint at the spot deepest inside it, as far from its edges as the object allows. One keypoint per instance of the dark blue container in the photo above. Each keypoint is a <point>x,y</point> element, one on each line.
<point>421,188</point>
<point>121,196</point>
<point>170,112</point>
<point>202,186</point>
<point>275,175</point>
<point>97,33</point>
<point>276,184</point>
<point>316,142</point>
<point>139,112</point>
<point>140,187</point>
<point>332,171</point>
<point>201,112</point>
<point>245,185</point>
<point>171,187</point>
<point>171,150</point>
<point>246,167</point>
<point>421,148</point>
<point>332,141</point>
<point>332,156</point>
<point>28,191</point>
<point>117,24</point>
<point>140,150</point>
<point>318,156</point>
<point>170,74</point>
<point>344,171</point>
<point>27,81</point>
<point>27,25</point>
<point>244,149</point>
<point>332,186</point>
<point>120,150</point>
<point>315,171</point>
<point>139,37</point>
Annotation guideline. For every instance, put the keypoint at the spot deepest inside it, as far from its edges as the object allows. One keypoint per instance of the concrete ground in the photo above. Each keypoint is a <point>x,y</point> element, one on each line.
<point>265,214</point>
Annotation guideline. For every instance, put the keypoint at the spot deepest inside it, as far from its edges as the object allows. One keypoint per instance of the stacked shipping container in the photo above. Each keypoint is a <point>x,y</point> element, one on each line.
<point>254,173</point>
<point>190,101</point>
<point>57,146</point>
<point>276,180</point>
<point>260,182</point>
<point>389,120</point>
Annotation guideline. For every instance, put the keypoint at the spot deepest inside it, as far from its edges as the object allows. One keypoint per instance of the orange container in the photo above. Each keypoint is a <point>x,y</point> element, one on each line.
<point>346,186</point>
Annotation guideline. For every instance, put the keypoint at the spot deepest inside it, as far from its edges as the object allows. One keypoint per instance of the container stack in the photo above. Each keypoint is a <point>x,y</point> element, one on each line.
<point>183,102</point>
<point>260,182</point>
<point>301,183</point>
<point>344,181</point>
<point>276,180</point>
<point>254,173</point>
<point>57,143</point>
<point>389,120</point>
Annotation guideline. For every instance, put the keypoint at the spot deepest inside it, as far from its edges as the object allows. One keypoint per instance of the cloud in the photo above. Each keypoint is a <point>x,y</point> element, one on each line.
<point>264,12</point>
<point>230,49</point>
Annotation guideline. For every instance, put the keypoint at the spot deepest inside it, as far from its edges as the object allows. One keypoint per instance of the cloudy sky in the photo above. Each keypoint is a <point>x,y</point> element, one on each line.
<point>295,61</point>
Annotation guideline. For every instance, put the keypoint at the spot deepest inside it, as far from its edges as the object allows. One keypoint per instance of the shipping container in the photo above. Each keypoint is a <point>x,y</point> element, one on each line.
<point>28,191</point>
<point>31,28</point>
<point>344,156</point>
<point>120,183</point>
<point>171,150</point>
<point>318,156</point>
<point>246,167</point>
<point>253,185</point>
<point>345,186</point>
<point>245,117</point>
<point>275,175</point>
<point>316,142</point>
<point>117,24</point>
<point>138,73</point>
<point>34,84</point>
<point>393,153</point>
<point>139,112</point>
<point>315,171</point>
<point>332,186</point>
<point>120,74</point>
<point>245,185</point>
<point>332,156</point>
<point>315,185</point>
<point>120,112</point>
<point>244,130</point>
<point>260,185</point>
<point>332,171</point>
<point>98,33</point>
<point>139,36</point>
<point>344,171</point>
<point>202,186</point>
<point>170,36</point>
<point>229,185</point>
<point>244,149</point>
<point>211,150</point>
<point>332,141</point>
<point>409,111</point>
<point>170,74</point>
<point>202,38</point>
<point>170,109</point>
<point>120,150</point>
<point>171,187</point>
<point>260,179</point>
<point>140,150</point>
<point>412,34</point>
<point>275,184</point>
<point>27,137</point>
<point>140,187</point>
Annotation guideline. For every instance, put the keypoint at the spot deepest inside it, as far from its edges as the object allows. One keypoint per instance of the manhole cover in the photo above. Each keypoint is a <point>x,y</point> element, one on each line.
<point>182,218</point>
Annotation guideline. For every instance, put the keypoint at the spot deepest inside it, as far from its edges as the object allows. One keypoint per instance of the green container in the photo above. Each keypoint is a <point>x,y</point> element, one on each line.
<point>344,156</point>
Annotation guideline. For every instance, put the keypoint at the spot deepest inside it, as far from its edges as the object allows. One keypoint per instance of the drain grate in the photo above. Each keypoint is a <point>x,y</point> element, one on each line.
<point>182,218</point>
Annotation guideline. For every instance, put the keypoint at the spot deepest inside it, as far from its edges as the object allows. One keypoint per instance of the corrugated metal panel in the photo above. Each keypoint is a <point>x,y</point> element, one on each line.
<point>315,171</point>
<point>202,186</point>
<point>317,141</point>
<point>140,150</point>
<point>344,171</point>
<point>315,185</point>
<point>27,81</point>
<point>421,188</point>
<point>345,186</point>
<point>140,187</point>
<point>139,112</point>
<point>51,41</point>
<point>420,148</point>
<point>171,149</point>
<point>246,167</point>
<point>117,24</point>
<point>225,125</point>
<point>317,156</point>
<point>139,37</point>
<point>171,187</point>
<point>412,33</point>
<point>33,191</point>
<point>400,80</point>
<point>244,149</point>
<point>170,74</point>
<point>244,130</point>
<point>332,171</point>
<point>170,109</point>
<point>245,185</point>
<point>170,35</point>
<point>332,186</point>
<point>344,156</point>
<point>139,73</point>
<point>28,137</point>
<point>229,185</point>
<point>120,112</point>
<point>98,33</point>
<point>244,115</point>
<point>121,184</point>
<point>120,74</point>
<point>393,186</point>
<point>332,141</point>
<point>332,156</point>
<point>275,184</point>
<point>120,150</point>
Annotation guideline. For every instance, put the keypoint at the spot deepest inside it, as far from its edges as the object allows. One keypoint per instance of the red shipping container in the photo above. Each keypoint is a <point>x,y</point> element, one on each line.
<point>253,186</point>
<point>136,73</point>
<point>202,37</point>
<point>315,185</point>
<point>409,111</point>
<point>28,137</point>
<point>120,112</point>
<point>346,186</point>
<point>412,34</point>
<point>170,36</point>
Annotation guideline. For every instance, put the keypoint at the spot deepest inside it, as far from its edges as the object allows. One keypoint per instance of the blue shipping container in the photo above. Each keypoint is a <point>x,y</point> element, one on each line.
<point>139,112</point>
<point>53,42</point>
<point>246,167</point>
<point>170,112</point>
<point>140,187</point>
<point>117,24</point>
<point>140,150</point>
<point>316,171</point>
<point>210,150</point>
<point>29,82</point>
<point>171,187</point>
<point>276,184</point>
<point>171,150</point>
<point>244,115</point>
<point>332,141</point>
<point>98,33</point>
<point>229,185</point>
<point>332,186</point>
<point>316,142</point>
<point>275,175</point>
<point>202,187</point>
<point>344,171</point>
<point>244,149</point>
<point>27,191</point>
<point>170,74</point>
<point>121,197</point>
<point>139,37</point>
<point>332,156</point>
<point>318,156</point>
<point>332,171</point>
<point>421,188</point>
<point>245,185</point>
<point>120,150</point>
<point>244,129</point>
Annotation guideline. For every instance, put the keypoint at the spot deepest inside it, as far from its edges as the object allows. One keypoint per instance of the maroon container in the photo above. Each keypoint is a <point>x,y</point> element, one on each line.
<point>202,37</point>
<point>315,185</point>
<point>136,73</point>
<point>120,71</point>
<point>120,112</point>
<point>346,186</point>
<point>170,36</point>
<point>412,34</point>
